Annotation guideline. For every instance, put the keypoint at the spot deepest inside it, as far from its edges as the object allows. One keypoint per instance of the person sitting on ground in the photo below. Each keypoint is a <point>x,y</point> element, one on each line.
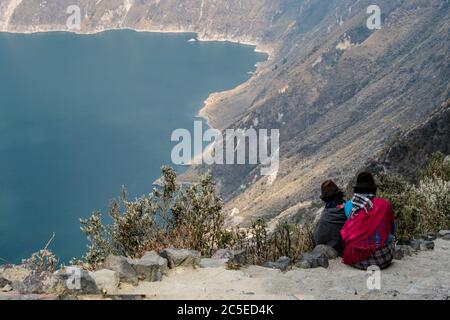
<point>368,234</point>
<point>328,230</point>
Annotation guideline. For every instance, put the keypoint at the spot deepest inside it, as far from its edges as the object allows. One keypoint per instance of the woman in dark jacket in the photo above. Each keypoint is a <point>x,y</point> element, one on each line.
<point>328,230</point>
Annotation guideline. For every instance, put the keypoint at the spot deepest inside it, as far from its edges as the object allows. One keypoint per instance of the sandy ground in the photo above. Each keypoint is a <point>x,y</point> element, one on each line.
<point>425,275</point>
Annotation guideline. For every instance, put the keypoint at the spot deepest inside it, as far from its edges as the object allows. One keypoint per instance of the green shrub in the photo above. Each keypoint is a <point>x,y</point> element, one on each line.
<point>170,216</point>
<point>432,196</point>
<point>186,218</point>
<point>438,167</point>
<point>422,208</point>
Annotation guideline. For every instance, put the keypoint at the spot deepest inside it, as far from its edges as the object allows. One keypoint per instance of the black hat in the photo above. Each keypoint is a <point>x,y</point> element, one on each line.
<point>365,182</point>
<point>330,190</point>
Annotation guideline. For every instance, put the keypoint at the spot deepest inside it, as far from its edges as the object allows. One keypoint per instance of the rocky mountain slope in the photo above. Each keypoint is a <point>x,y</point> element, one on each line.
<point>410,151</point>
<point>336,90</point>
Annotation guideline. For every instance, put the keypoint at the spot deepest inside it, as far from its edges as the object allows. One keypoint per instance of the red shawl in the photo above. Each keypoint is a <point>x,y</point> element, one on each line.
<point>365,233</point>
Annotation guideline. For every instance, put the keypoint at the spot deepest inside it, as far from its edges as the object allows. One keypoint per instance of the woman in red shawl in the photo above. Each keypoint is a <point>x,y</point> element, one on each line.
<point>368,234</point>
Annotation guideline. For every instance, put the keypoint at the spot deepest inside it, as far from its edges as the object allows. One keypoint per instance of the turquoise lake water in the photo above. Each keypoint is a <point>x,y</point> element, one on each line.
<point>82,115</point>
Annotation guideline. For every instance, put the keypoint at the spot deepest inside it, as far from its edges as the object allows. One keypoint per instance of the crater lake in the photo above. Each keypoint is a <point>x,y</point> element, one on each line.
<point>83,115</point>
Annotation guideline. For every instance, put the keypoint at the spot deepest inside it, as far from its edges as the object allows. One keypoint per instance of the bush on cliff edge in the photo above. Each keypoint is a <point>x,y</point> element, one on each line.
<point>422,208</point>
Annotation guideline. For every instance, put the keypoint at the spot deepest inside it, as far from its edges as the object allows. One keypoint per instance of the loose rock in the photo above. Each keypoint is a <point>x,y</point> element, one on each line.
<point>151,267</point>
<point>426,245</point>
<point>76,281</point>
<point>445,234</point>
<point>398,255</point>
<point>30,285</point>
<point>106,280</point>
<point>281,264</point>
<point>328,251</point>
<point>6,288</point>
<point>223,254</point>
<point>239,257</point>
<point>122,267</point>
<point>430,237</point>
<point>312,260</point>
<point>402,251</point>
<point>4,282</point>
<point>181,257</point>
<point>414,244</point>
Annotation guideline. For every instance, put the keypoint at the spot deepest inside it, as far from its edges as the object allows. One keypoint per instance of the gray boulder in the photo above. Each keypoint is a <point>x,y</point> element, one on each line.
<point>311,260</point>
<point>414,244</point>
<point>106,280</point>
<point>402,251</point>
<point>4,282</point>
<point>282,264</point>
<point>223,254</point>
<point>6,288</point>
<point>30,285</point>
<point>328,251</point>
<point>444,234</point>
<point>122,267</point>
<point>75,280</point>
<point>430,237</point>
<point>398,254</point>
<point>181,257</point>
<point>426,245</point>
<point>239,257</point>
<point>213,263</point>
<point>151,267</point>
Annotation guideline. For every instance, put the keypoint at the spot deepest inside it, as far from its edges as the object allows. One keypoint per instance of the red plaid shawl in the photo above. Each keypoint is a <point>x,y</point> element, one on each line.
<point>365,233</point>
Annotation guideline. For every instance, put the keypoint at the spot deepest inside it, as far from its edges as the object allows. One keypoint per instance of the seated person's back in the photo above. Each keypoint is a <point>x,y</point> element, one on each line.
<point>328,230</point>
<point>368,235</point>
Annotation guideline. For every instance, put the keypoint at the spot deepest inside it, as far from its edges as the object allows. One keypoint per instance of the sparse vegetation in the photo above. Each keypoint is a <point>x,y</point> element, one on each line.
<point>171,216</point>
<point>192,218</point>
<point>424,207</point>
<point>184,217</point>
<point>260,246</point>
<point>42,263</point>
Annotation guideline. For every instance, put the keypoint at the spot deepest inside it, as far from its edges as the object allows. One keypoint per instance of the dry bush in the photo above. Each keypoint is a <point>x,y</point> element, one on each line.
<point>42,263</point>
<point>198,218</point>
<point>432,196</point>
<point>422,208</point>
<point>186,218</point>
<point>438,167</point>
<point>171,216</point>
<point>290,240</point>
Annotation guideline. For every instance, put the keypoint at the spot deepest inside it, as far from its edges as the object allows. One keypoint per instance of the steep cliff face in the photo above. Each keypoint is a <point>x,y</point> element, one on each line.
<point>336,90</point>
<point>338,105</point>
<point>233,19</point>
<point>410,151</point>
